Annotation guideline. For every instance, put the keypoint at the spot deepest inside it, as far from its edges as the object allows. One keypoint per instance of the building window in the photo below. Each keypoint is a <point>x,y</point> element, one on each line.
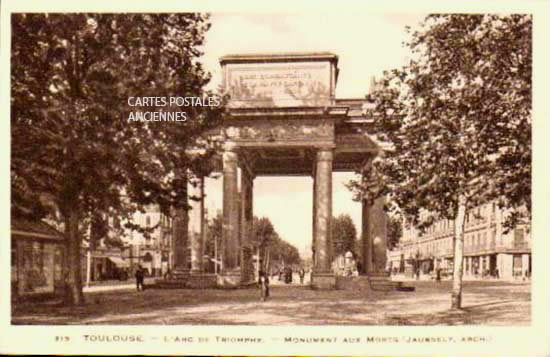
<point>518,235</point>
<point>13,263</point>
<point>116,223</point>
<point>147,257</point>
<point>37,268</point>
<point>518,238</point>
<point>517,265</point>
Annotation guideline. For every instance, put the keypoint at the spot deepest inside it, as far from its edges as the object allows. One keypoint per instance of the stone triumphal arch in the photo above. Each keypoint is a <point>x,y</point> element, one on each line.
<point>283,119</point>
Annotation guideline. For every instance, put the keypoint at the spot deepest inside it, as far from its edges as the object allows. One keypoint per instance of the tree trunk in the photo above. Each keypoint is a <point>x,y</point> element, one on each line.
<point>73,278</point>
<point>456,294</point>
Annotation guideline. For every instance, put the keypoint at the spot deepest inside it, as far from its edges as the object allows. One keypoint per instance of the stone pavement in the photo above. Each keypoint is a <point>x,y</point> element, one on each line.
<point>485,303</point>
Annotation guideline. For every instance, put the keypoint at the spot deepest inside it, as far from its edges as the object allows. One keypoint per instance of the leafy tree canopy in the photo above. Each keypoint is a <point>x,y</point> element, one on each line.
<point>263,236</point>
<point>395,231</point>
<point>344,234</point>
<point>456,118</point>
<point>72,144</point>
<point>457,124</point>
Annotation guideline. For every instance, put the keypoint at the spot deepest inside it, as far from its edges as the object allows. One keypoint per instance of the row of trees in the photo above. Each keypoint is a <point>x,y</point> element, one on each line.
<point>344,234</point>
<point>73,150</point>
<point>263,237</point>
<point>457,121</point>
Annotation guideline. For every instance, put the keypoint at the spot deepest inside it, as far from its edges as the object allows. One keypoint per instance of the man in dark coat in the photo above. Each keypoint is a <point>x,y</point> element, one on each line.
<point>139,278</point>
<point>263,281</point>
<point>301,273</point>
<point>288,275</point>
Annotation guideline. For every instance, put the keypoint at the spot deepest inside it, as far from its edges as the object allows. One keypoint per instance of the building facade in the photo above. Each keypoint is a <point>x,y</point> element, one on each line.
<point>37,256</point>
<point>103,263</point>
<point>489,249</point>
<point>152,250</point>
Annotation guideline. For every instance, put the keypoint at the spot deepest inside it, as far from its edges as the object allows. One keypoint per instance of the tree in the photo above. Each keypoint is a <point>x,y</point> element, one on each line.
<point>457,121</point>
<point>263,232</point>
<point>284,252</point>
<point>72,143</point>
<point>395,231</point>
<point>212,244</point>
<point>344,234</point>
<point>267,240</point>
<point>263,237</point>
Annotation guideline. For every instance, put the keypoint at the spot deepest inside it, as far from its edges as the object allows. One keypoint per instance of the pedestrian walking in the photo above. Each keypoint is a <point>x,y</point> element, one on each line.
<point>288,275</point>
<point>438,275</point>
<point>263,281</point>
<point>301,273</point>
<point>139,278</point>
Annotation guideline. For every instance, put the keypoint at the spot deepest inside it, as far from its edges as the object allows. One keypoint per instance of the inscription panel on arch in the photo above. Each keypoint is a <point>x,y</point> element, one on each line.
<point>278,84</point>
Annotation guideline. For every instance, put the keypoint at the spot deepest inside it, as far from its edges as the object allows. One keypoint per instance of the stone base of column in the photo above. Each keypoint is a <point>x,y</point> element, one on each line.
<point>187,280</point>
<point>229,280</point>
<point>323,281</point>
<point>356,283</point>
<point>201,281</point>
<point>177,279</point>
<point>178,274</point>
<point>381,281</point>
<point>373,281</point>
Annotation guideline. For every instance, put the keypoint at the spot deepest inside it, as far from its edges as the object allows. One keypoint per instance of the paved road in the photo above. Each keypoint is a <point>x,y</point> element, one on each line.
<point>485,303</point>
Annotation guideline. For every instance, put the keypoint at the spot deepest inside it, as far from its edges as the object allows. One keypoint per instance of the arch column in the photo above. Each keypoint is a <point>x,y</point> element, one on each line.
<point>230,230</point>
<point>180,232</point>
<point>373,237</point>
<point>313,217</point>
<point>196,223</point>
<point>322,276</point>
<point>366,241</point>
<point>246,217</point>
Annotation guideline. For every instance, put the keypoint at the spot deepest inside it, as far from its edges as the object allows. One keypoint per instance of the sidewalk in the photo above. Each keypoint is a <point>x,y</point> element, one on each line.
<point>126,285</point>
<point>427,277</point>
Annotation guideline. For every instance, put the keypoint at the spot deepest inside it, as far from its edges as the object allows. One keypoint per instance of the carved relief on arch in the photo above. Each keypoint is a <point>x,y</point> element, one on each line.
<point>284,131</point>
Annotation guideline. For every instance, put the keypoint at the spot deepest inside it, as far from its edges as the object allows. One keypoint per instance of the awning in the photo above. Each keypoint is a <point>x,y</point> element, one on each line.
<point>120,263</point>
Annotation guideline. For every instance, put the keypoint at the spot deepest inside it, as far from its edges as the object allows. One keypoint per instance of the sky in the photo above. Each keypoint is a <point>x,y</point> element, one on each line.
<point>367,44</point>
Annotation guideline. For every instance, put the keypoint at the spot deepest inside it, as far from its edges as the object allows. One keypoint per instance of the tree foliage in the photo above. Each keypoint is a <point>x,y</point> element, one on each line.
<point>263,237</point>
<point>395,231</point>
<point>283,252</point>
<point>344,235</point>
<point>214,236</point>
<point>263,233</point>
<point>266,238</point>
<point>72,145</point>
<point>457,121</point>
